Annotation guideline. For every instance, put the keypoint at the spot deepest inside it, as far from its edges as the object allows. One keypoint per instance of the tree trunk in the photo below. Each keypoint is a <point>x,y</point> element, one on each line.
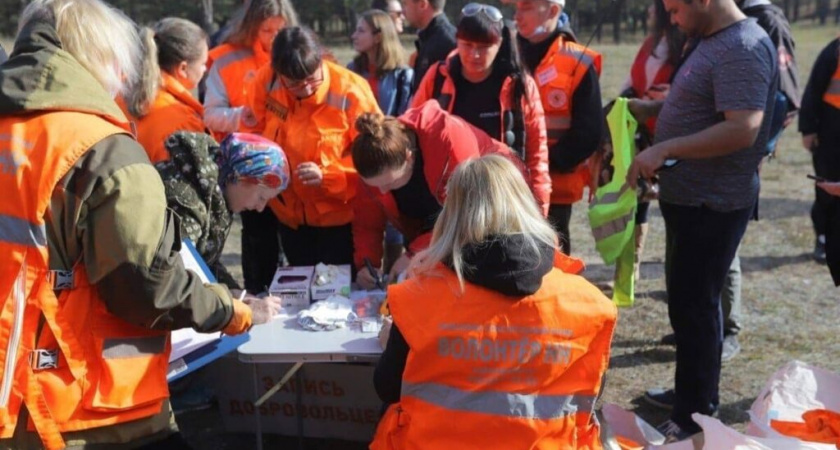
<point>598,22</point>
<point>795,10</point>
<point>617,11</point>
<point>207,22</point>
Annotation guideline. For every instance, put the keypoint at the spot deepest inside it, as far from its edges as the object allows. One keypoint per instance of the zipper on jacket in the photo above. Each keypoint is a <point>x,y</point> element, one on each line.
<point>19,296</point>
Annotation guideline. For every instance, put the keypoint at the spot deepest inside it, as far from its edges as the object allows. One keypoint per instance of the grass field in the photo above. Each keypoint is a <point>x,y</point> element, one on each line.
<point>791,308</point>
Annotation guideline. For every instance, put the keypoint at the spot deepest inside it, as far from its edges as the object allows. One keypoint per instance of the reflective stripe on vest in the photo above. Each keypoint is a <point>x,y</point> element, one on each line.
<point>527,406</point>
<point>832,93</point>
<point>558,122</point>
<point>337,101</point>
<point>612,227</point>
<point>834,87</point>
<point>580,56</point>
<point>116,348</point>
<point>19,231</point>
<point>610,197</point>
<point>232,57</point>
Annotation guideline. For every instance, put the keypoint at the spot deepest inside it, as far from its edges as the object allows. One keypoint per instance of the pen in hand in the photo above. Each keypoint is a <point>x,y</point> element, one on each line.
<point>377,278</point>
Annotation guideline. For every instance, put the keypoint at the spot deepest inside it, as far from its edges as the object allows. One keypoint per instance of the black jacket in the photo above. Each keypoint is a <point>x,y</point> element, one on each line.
<point>587,129</point>
<point>501,264</point>
<point>433,44</point>
<point>817,116</point>
<point>772,19</point>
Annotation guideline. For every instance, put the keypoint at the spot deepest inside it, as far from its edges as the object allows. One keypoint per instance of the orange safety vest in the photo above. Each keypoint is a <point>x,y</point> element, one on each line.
<point>511,373</point>
<point>832,93</point>
<point>73,364</point>
<point>558,76</point>
<point>316,129</point>
<point>174,109</point>
<point>237,66</point>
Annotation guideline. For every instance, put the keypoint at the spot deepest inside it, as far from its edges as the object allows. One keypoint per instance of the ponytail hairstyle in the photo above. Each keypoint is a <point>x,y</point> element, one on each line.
<point>383,143</point>
<point>480,28</point>
<point>167,44</point>
<point>245,32</point>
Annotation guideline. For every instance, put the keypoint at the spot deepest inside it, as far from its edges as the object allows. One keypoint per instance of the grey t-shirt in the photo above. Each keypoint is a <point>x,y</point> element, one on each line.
<point>733,69</point>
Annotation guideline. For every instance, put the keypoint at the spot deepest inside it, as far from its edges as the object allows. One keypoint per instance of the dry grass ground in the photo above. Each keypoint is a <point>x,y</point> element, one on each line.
<point>791,308</point>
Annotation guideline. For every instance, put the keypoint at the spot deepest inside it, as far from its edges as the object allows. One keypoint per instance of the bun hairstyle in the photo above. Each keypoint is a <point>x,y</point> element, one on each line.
<point>382,143</point>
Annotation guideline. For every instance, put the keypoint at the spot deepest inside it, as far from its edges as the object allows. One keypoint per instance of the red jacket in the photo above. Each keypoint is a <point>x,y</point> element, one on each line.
<point>638,75</point>
<point>536,148</point>
<point>444,141</point>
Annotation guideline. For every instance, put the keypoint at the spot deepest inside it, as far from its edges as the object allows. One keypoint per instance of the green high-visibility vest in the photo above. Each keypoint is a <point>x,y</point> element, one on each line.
<point>613,209</point>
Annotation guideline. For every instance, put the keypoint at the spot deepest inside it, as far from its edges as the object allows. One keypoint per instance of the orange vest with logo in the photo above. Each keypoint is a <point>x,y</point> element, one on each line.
<point>510,373</point>
<point>74,365</point>
<point>558,76</point>
<point>316,129</point>
<point>174,109</point>
<point>832,93</point>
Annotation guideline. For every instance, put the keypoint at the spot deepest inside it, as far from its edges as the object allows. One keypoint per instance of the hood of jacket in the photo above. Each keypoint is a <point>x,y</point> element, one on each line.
<point>41,76</point>
<point>506,264</point>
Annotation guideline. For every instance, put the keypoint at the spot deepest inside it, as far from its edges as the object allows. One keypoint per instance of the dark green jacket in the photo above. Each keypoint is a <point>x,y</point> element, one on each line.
<point>191,179</point>
<point>109,213</point>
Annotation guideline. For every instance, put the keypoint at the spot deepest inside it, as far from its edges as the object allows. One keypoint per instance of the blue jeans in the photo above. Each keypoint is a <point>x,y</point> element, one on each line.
<point>700,244</point>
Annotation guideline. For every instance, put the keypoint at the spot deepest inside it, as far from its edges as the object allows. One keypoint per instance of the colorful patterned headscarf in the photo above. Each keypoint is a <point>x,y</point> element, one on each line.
<point>253,159</point>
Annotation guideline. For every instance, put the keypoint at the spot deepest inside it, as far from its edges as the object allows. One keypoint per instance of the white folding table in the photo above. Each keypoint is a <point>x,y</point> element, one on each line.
<point>284,341</point>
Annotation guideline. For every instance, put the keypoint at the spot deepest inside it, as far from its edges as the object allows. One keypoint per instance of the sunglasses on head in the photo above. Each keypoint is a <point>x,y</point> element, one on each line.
<point>474,9</point>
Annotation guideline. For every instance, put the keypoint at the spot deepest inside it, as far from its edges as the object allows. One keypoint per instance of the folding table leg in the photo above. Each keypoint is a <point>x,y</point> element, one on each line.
<point>257,409</point>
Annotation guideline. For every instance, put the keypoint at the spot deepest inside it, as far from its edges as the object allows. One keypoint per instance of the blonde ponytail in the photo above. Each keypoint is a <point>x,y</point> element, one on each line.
<point>141,95</point>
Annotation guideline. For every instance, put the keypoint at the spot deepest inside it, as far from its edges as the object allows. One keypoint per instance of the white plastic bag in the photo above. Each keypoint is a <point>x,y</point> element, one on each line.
<point>795,389</point>
<point>327,315</point>
<point>718,436</point>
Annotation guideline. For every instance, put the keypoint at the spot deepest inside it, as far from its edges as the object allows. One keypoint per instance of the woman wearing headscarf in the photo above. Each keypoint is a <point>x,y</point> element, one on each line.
<point>207,183</point>
<point>232,68</point>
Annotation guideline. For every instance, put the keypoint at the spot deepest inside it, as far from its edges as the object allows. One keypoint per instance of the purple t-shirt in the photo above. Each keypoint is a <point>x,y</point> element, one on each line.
<point>733,69</point>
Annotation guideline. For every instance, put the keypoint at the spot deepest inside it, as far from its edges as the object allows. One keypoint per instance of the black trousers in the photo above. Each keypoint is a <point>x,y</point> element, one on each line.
<point>261,249</point>
<point>560,216</point>
<point>308,246</point>
<point>699,248</point>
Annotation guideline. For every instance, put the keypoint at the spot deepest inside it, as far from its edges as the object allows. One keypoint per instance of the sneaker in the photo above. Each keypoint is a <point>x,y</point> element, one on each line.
<point>669,339</point>
<point>819,249</point>
<point>731,347</point>
<point>660,398</point>
<point>673,432</point>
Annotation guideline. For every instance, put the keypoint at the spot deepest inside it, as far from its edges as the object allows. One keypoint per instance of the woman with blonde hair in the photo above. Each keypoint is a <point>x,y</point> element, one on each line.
<point>92,280</point>
<point>160,103</point>
<point>232,68</point>
<point>493,331</point>
<point>381,61</point>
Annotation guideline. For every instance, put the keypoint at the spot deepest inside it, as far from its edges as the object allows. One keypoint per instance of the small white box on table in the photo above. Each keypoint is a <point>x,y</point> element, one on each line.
<point>291,285</point>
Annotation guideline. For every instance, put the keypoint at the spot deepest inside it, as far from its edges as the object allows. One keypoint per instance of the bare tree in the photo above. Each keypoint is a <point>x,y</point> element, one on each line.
<point>207,22</point>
